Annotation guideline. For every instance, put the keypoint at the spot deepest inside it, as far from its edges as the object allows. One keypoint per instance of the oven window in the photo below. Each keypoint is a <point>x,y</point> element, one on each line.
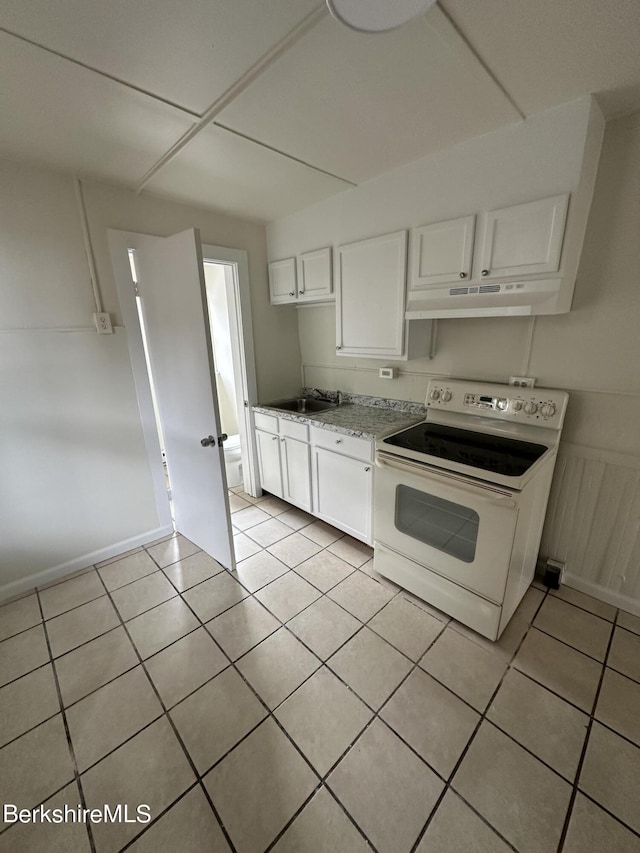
<point>449,527</point>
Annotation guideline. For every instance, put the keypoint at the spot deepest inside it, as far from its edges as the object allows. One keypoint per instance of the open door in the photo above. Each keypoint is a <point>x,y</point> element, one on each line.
<point>172,291</point>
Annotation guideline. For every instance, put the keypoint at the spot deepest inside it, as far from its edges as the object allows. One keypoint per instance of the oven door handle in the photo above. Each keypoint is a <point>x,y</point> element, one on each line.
<point>385,460</point>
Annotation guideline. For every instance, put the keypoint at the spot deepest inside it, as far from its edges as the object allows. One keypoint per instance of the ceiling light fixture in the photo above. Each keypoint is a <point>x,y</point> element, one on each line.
<point>377,16</point>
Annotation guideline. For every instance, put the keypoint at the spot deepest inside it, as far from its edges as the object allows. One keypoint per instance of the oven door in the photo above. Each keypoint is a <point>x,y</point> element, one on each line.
<point>460,529</point>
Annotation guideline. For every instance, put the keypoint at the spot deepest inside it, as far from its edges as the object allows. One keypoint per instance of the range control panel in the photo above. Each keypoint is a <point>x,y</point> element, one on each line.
<point>546,406</point>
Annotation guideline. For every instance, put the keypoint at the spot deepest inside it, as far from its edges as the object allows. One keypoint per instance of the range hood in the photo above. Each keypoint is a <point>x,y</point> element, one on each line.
<point>504,299</point>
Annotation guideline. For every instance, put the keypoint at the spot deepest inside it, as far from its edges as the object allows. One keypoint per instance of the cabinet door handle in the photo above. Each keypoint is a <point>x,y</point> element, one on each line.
<point>282,439</point>
<point>338,441</point>
<point>338,347</point>
<point>484,272</point>
<point>274,438</point>
<point>463,275</point>
<point>367,468</point>
<point>301,291</point>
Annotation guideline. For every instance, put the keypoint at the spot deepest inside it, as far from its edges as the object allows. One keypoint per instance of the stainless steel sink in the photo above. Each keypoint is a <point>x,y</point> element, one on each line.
<point>303,406</point>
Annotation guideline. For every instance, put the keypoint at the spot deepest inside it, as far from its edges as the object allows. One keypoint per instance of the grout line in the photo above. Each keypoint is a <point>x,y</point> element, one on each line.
<point>568,645</point>
<point>65,722</point>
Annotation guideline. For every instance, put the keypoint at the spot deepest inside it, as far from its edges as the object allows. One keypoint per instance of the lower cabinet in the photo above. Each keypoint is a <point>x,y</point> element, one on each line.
<point>342,491</point>
<point>296,472</point>
<point>269,462</point>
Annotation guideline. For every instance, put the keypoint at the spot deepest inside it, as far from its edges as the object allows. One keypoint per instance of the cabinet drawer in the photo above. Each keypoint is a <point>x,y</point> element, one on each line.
<point>349,445</point>
<point>293,429</point>
<point>266,422</point>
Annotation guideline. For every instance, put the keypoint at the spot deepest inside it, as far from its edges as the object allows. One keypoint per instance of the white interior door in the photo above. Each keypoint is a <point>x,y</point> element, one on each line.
<point>172,291</point>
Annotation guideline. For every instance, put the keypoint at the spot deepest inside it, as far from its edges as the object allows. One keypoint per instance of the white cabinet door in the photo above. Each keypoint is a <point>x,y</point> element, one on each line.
<point>342,491</point>
<point>370,297</point>
<point>296,472</point>
<point>441,253</point>
<point>282,281</point>
<point>315,281</point>
<point>525,239</point>
<point>269,462</point>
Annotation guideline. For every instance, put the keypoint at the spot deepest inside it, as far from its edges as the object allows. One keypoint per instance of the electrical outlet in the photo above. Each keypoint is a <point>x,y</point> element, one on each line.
<point>387,373</point>
<point>522,381</point>
<point>103,324</point>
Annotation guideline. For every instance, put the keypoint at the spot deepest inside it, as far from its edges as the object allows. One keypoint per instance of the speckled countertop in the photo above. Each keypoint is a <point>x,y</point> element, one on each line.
<point>377,418</point>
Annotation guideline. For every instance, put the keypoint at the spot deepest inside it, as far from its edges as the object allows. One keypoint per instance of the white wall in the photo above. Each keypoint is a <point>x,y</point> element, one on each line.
<point>75,478</point>
<point>593,352</point>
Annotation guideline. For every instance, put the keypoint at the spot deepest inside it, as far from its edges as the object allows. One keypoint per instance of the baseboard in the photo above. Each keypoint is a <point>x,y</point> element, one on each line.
<point>617,599</point>
<point>29,582</point>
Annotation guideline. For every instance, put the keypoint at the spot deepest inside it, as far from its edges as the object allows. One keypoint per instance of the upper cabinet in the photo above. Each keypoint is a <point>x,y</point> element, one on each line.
<point>283,285</point>
<point>370,300</point>
<point>442,252</point>
<point>307,279</point>
<point>525,239</point>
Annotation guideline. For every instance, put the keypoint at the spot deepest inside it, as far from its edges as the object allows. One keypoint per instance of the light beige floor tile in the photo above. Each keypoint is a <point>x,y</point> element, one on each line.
<point>619,705</point>
<point>386,789</point>
<point>174,549</point>
<point>161,539</point>
<point>293,550</point>
<point>193,570</point>
<point>352,551</point>
<point>324,627</point>
<point>151,768</point>
<point>188,827</point>
<point>94,664</point>
<point>456,828</point>
<point>361,595</point>
<point>244,547</point>
<point>78,626</point>
<point>323,717</point>
<point>432,720</point>
<point>22,653</point>
<point>582,630</point>
<point>625,653</point>
<point>185,665</point>
<point>249,517</point>
<point>103,720</point>
<point>406,627</point>
<point>464,667</point>
<point>524,800</point>
<point>28,780</point>
<point>296,519</point>
<point>66,577</point>
<point>121,556</point>
<point>587,602</point>
<point>611,774</point>
<point>268,532</point>
<point>64,596</point>
<point>214,596</point>
<point>242,627</point>
<point>277,666</point>
<point>423,605</point>
<point>322,533</point>
<point>259,570</point>
<point>322,827</point>
<point>548,726</point>
<point>370,666</point>
<point>26,702</point>
<point>628,621</point>
<point>161,626</point>
<point>236,503</point>
<point>142,595</point>
<point>274,506</point>
<point>121,572</point>
<point>564,670</point>
<point>49,838</point>
<point>214,718</point>
<point>287,595</point>
<point>592,829</point>
<point>258,788</point>
<point>19,615</point>
<point>368,569</point>
<point>324,570</point>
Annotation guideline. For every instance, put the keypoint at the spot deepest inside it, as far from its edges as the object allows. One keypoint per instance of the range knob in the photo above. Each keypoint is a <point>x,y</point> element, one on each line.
<point>530,408</point>
<point>517,405</point>
<point>446,396</point>
<point>434,395</point>
<point>548,410</point>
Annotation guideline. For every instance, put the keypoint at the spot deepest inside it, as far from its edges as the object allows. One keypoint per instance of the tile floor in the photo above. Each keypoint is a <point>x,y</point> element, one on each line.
<point>303,704</point>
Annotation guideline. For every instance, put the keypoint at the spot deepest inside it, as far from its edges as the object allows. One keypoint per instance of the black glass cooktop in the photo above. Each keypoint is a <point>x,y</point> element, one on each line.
<point>507,456</point>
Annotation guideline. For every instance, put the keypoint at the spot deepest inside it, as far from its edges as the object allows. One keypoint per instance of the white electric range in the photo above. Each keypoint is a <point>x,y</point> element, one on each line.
<point>460,499</point>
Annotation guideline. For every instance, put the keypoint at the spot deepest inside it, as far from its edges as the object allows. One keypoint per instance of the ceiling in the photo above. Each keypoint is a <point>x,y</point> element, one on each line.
<point>262,107</point>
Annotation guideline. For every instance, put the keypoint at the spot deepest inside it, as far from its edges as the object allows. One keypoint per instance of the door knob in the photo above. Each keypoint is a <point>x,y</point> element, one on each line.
<point>484,272</point>
<point>209,441</point>
<point>222,438</point>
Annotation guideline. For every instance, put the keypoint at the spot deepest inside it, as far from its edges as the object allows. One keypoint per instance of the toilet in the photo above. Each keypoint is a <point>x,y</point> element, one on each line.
<point>233,461</point>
